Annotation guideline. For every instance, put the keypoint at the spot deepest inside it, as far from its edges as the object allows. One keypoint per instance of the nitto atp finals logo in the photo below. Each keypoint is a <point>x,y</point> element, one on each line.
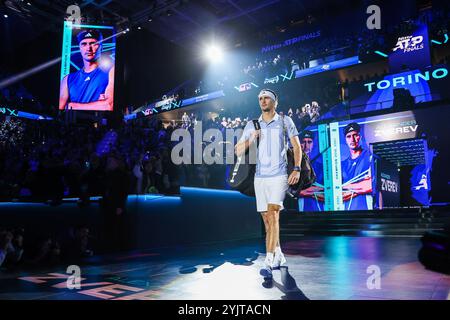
<point>409,44</point>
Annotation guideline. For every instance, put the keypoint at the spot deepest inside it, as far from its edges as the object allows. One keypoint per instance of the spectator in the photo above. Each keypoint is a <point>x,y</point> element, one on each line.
<point>47,252</point>
<point>78,245</point>
<point>114,204</point>
<point>315,112</point>
<point>5,243</point>
<point>305,118</point>
<point>15,249</point>
<point>138,172</point>
<point>290,113</point>
<point>186,120</point>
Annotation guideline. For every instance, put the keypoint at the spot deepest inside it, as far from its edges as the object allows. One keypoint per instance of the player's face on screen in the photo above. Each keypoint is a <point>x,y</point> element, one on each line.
<point>307,145</point>
<point>353,138</point>
<point>266,104</point>
<point>90,49</point>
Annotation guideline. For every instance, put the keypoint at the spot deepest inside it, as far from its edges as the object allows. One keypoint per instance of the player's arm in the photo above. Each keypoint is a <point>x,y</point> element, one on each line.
<point>63,94</point>
<point>101,105</point>
<point>242,146</point>
<point>106,101</point>
<point>109,92</point>
<point>311,191</point>
<point>361,187</point>
<point>248,137</point>
<point>294,177</point>
<point>295,142</point>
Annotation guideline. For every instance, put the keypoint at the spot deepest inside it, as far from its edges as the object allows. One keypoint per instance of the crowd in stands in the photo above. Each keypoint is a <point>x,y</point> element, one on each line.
<point>49,160</point>
<point>20,248</point>
<point>299,56</point>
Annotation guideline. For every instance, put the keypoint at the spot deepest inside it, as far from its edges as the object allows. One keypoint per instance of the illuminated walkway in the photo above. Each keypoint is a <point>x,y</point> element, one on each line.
<point>319,268</point>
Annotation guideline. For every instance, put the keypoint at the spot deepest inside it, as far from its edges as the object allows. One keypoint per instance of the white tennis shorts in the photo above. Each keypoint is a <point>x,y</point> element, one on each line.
<point>271,190</point>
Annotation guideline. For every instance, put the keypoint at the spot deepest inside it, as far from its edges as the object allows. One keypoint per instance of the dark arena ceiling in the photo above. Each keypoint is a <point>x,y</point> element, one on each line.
<point>180,21</point>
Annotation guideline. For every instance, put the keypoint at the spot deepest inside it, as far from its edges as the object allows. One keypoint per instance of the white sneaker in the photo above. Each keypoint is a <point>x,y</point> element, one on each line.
<point>279,260</point>
<point>266,270</point>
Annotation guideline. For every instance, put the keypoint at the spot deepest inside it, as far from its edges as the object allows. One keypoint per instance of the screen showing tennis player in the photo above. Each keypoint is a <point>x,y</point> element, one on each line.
<point>87,72</point>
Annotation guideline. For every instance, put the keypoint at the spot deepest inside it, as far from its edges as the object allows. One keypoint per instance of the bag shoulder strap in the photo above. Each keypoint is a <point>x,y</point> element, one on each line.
<point>285,134</point>
<point>257,127</point>
<point>286,144</point>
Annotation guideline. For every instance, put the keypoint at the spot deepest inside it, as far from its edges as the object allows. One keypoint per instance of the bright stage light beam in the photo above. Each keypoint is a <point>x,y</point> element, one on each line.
<point>214,53</point>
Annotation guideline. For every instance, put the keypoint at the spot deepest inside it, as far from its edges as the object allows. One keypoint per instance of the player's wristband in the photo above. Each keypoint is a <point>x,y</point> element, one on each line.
<point>296,168</point>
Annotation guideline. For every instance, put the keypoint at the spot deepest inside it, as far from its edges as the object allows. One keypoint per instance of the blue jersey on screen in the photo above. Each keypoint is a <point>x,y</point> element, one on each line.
<point>313,204</point>
<point>87,87</point>
<point>355,170</point>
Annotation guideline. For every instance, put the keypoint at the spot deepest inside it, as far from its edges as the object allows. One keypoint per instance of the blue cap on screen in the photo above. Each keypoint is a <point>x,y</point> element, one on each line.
<point>90,34</point>
<point>352,127</point>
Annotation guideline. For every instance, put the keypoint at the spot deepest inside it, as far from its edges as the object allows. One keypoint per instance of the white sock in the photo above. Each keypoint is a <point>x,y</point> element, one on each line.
<point>280,259</point>
<point>278,250</point>
<point>269,258</point>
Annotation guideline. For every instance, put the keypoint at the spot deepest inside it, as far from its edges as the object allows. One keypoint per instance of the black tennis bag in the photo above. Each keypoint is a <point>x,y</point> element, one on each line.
<point>241,175</point>
<point>307,174</point>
